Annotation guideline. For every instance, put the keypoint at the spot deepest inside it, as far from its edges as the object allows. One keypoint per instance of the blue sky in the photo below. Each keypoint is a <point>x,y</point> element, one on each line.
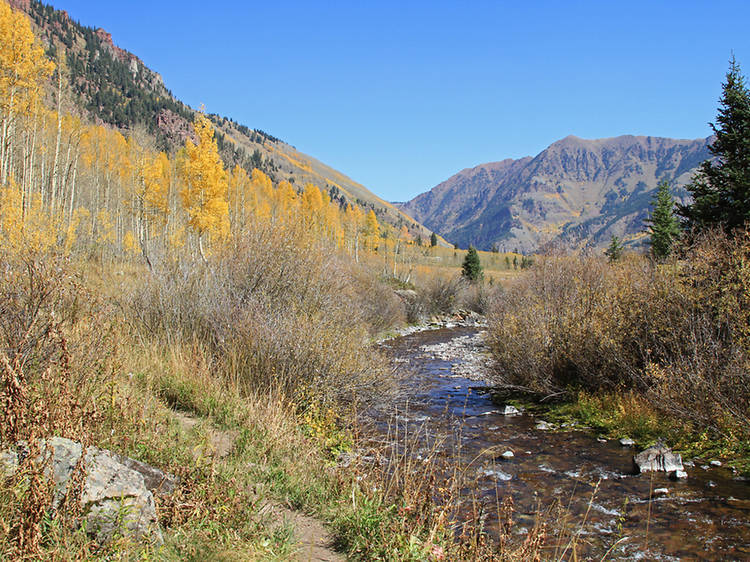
<point>400,95</point>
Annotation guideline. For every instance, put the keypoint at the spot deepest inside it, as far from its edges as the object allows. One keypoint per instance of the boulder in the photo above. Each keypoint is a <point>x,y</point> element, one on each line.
<point>157,482</point>
<point>116,500</point>
<point>509,410</point>
<point>544,426</point>
<point>678,475</point>
<point>114,497</point>
<point>658,458</point>
<point>627,442</point>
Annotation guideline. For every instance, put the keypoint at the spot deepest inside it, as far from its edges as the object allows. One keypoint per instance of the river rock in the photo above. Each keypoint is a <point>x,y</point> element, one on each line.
<point>678,475</point>
<point>544,426</point>
<point>627,442</point>
<point>658,458</point>
<point>509,410</point>
<point>497,474</point>
<point>114,498</point>
<point>507,455</point>
<point>661,491</point>
<point>715,463</point>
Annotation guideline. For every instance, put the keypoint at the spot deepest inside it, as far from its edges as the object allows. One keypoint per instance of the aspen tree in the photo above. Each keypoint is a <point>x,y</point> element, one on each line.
<point>204,196</point>
<point>23,70</point>
<point>371,230</point>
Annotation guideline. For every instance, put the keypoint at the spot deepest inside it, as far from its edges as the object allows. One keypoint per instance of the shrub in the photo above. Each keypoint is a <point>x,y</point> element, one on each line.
<point>676,333</point>
<point>277,311</point>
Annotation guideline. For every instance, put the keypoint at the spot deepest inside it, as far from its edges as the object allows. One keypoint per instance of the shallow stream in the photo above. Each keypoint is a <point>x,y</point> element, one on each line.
<point>705,517</point>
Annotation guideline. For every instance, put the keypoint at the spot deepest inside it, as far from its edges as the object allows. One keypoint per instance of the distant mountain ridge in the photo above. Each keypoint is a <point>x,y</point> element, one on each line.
<point>111,85</point>
<point>576,192</point>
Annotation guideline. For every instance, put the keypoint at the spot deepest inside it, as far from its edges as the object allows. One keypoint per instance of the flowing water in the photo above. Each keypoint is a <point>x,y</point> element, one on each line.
<point>705,517</point>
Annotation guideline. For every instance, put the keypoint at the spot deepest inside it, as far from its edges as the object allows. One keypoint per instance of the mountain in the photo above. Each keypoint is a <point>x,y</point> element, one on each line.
<point>576,192</point>
<point>110,85</point>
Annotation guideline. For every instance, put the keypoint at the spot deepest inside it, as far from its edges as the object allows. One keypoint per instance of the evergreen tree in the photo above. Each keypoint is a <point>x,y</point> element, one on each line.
<point>721,187</point>
<point>472,267</point>
<point>663,224</point>
<point>433,240</point>
<point>614,251</point>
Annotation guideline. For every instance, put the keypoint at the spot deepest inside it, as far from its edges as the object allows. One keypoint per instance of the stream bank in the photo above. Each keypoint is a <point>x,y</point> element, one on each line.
<point>443,403</point>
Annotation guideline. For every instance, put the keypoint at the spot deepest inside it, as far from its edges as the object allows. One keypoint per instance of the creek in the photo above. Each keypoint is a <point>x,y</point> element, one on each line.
<point>445,411</point>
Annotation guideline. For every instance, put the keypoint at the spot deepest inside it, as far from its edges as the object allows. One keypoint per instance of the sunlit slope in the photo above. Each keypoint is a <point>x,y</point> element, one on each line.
<point>575,193</point>
<point>108,84</point>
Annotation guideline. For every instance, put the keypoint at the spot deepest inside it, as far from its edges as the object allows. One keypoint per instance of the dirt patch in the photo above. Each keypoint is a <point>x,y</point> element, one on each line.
<point>312,539</point>
<point>221,442</point>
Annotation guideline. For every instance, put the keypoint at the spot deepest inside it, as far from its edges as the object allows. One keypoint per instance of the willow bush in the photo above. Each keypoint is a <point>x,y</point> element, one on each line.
<point>277,310</point>
<point>676,333</point>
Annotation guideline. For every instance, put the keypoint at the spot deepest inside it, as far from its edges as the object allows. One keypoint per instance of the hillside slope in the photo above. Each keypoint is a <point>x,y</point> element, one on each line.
<point>576,192</point>
<point>108,84</point>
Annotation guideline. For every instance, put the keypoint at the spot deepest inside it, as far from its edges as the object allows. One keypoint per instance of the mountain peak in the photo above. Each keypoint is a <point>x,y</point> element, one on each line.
<point>576,191</point>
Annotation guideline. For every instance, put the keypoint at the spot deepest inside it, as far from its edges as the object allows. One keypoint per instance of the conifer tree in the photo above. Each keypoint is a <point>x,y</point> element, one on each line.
<point>614,251</point>
<point>721,187</point>
<point>433,240</point>
<point>664,226</point>
<point>472,267</point>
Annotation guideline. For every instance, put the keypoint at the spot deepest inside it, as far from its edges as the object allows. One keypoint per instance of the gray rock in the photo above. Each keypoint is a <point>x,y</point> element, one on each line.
<point>627,442</point>
<point>496,474</point>
<point>509,410</point>
<point>507,455</point>
<point>601,439</point>
<point>117,499</point>
<point>157,482</point>
<point>678,475</point>
<point>661,491</point>
<point>715,463</point>
<point>544,426</point>
<point>658,458</point>
<point>710,484</point>
<point>114,498</point>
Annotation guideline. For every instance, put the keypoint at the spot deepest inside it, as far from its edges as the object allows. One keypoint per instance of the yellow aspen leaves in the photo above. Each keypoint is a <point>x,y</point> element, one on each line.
<point>371,230</point>
<point>204,196</point>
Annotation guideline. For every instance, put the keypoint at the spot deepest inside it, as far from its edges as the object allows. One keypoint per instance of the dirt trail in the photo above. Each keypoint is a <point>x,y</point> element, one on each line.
<point>311,537</point>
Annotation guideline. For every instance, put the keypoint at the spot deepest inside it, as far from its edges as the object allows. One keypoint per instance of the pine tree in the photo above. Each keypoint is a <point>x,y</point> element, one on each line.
<point>663,224</point>
<point>433,240</point>
<point>472,267</point>
<point>614,251</point>
<point>721,187</point>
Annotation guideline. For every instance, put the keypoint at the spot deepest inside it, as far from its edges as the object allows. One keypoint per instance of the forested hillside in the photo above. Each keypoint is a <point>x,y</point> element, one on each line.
<point>106,84</point>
